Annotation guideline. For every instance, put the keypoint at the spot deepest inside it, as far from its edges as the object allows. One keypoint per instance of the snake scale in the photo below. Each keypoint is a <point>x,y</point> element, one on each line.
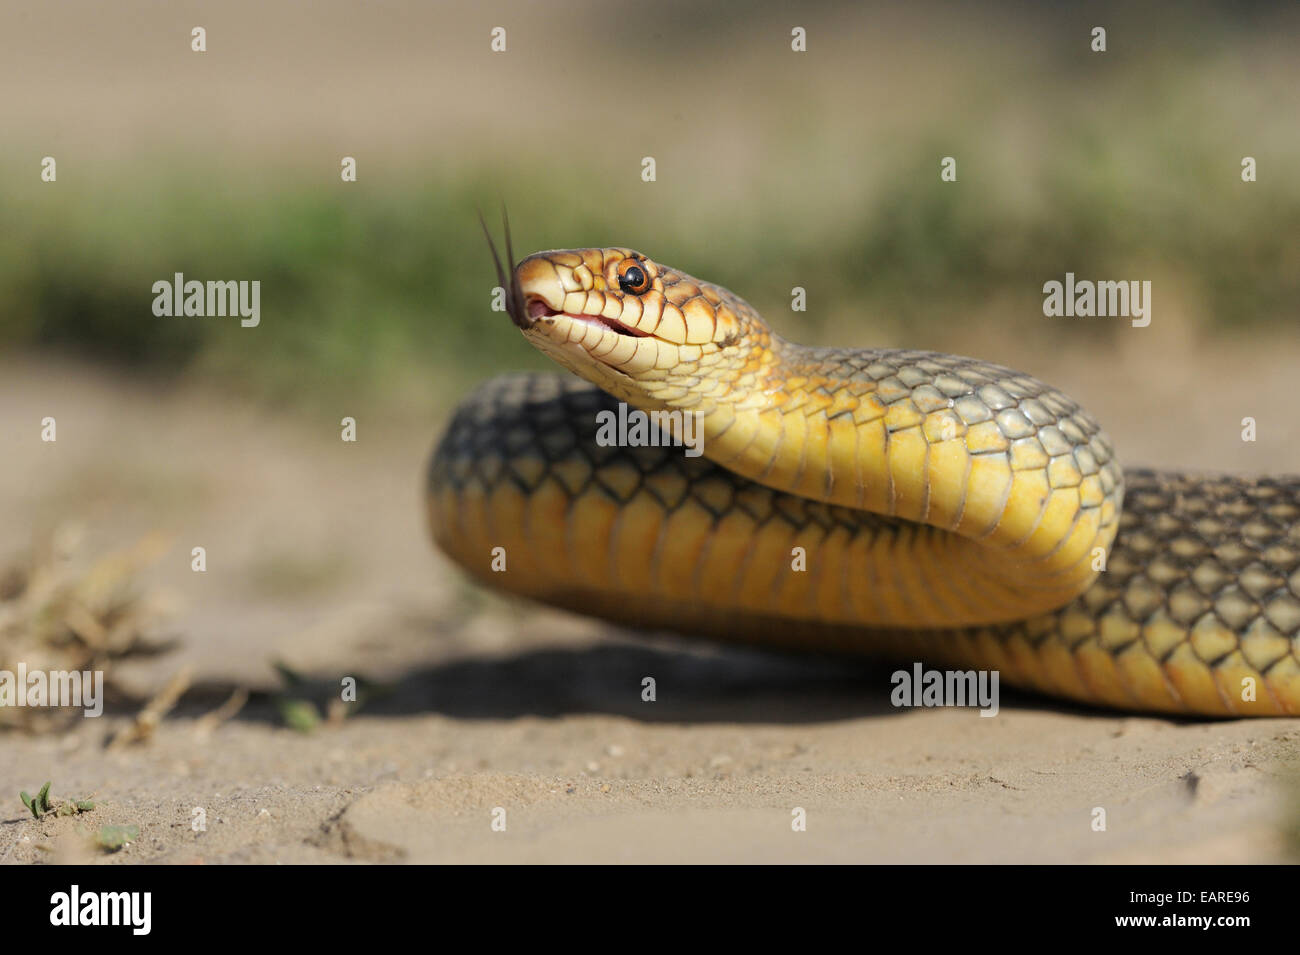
<point>948,510</point>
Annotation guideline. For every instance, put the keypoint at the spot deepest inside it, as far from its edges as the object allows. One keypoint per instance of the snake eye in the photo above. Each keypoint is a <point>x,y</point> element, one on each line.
<point>632,278</point>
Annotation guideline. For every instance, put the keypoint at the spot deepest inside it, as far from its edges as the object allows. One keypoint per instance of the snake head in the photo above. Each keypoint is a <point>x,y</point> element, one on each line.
<point>629,324</point>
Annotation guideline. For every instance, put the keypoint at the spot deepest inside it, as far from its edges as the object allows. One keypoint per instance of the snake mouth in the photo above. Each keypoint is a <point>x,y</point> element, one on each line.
<point>537,309</point>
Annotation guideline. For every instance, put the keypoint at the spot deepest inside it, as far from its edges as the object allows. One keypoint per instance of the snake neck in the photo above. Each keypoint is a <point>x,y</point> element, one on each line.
<point>974,450</point>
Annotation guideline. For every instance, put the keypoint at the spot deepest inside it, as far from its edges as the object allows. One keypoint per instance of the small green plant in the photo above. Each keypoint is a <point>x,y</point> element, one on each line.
<point>112,838</point>
<point>300,715</point>
<point>40,805</point>
<point>298,712</point>
<point>301,702</point>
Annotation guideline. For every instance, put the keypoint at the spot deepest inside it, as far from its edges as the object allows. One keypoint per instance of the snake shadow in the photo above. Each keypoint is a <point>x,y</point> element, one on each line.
<point>694,683</point>
<point>691,685</point>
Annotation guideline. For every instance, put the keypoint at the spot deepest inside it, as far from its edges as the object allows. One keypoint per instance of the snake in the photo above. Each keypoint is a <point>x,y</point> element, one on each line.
<point>907,505</point>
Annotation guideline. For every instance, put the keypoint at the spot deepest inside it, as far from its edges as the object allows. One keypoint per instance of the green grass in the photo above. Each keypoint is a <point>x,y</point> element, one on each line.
<point>366,285</point>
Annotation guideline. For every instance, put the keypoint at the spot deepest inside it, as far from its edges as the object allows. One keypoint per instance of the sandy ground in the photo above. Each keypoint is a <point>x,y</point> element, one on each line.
<point>317,556</point>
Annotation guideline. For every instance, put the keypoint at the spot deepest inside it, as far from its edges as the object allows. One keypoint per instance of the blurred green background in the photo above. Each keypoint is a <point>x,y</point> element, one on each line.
<point>775,169</point>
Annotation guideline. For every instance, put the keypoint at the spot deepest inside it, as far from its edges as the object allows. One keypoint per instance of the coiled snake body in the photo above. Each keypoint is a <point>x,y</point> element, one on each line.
<point>917,505</point>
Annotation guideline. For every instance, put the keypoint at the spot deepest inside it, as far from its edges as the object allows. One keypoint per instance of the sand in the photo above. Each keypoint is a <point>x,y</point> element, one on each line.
<point>510,733</point>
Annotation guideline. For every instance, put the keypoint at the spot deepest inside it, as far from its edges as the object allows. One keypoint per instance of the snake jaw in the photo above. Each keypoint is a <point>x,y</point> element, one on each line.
<point>538,309</point>
<point>577,341</point>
